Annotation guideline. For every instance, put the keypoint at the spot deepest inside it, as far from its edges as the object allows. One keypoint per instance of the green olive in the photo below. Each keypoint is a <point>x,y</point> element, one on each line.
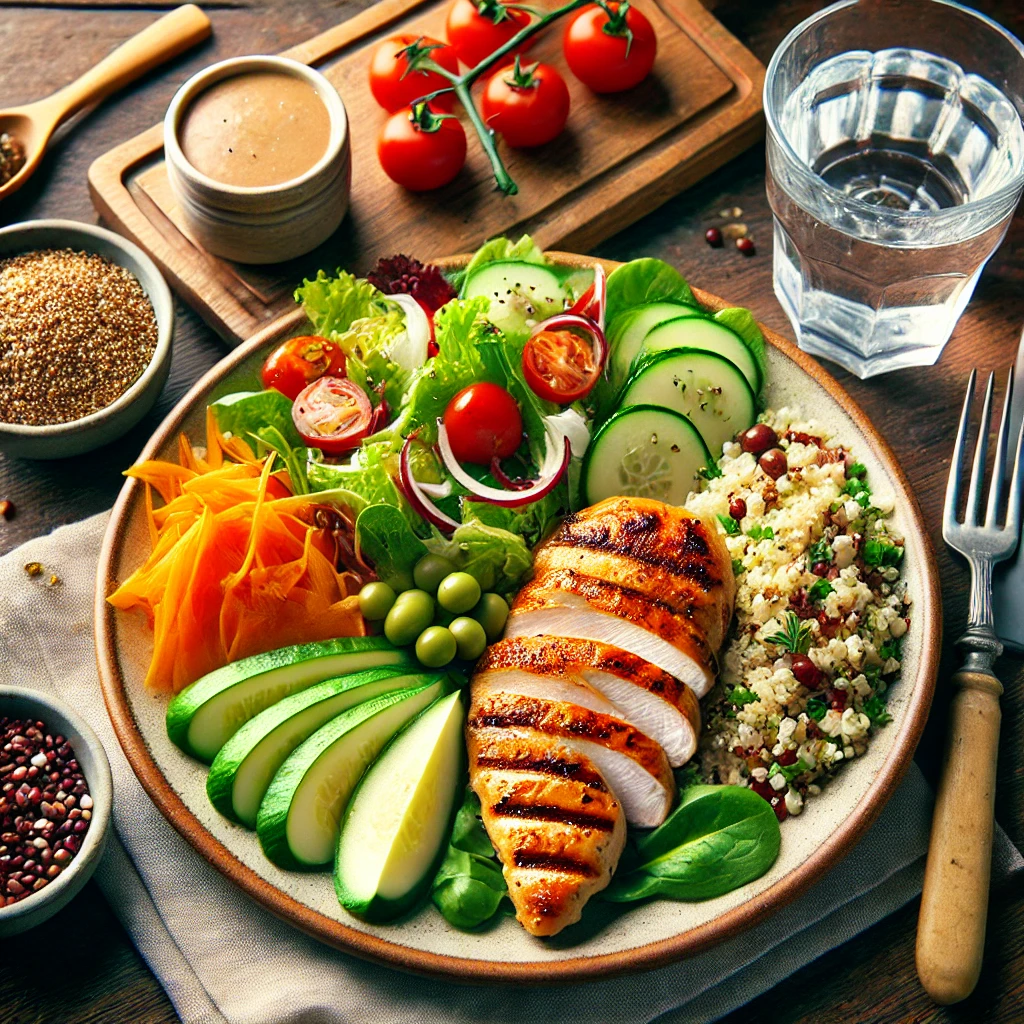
<point>491,612</point>
<point>458,592</point>
<point>412,613</point>
<point>430,570</point>
<point>376,600</point>
<point>400,581</point>
<point>469,637</point>
<point>436,646</point>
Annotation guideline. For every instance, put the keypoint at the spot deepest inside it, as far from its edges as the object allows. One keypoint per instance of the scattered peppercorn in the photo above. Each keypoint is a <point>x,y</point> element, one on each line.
<point>78,331</point>
<point>713,236</point>
<point>45,807</point>
<point>6,509</point>
<point>12,157</point>
<point>746,245</point>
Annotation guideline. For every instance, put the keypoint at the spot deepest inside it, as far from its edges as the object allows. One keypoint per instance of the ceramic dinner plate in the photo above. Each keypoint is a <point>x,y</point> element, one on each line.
<point>606,941</point>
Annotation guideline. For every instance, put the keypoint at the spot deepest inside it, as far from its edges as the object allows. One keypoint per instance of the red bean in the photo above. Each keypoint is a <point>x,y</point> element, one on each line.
<point>806,671</point>
<point>713,236</point>
<point>758,438</point>
<point>774,463</point>
<point>737,508</point>
<point>746,246</point>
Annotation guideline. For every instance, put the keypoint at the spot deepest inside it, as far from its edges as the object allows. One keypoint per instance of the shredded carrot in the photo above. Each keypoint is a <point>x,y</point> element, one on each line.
<point>235,567</point>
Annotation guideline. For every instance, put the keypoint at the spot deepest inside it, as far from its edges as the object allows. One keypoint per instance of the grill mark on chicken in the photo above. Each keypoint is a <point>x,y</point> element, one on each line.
<point>551,862</point>
<point>505,808</point>
<point>545,766</point>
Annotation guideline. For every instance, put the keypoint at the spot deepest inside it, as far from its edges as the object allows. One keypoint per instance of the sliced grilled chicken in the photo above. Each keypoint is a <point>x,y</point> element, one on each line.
<point>634,766</point>
<point>659,550</point>
<point>568,603</point>
<point>555,825</point>
<point>655,702</point>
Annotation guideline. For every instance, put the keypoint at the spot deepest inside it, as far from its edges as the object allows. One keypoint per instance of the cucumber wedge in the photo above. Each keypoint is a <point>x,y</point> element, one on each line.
<point>298,821</point>
<point>710,336</point>
<point>519,292</point>
<point>204,715</point>
<point>705,388</point>
<point>644,451</point>
<point>246,764</point>
<point>400,814</point>
<point>627,331</point>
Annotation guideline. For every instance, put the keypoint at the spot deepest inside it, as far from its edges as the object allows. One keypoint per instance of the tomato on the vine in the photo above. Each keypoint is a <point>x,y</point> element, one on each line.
<point>476,28</point>
<point>610,47</point>
<point>420,149</point>
<point>332,414</point>
<point>395,84</point>
<point>484,423</point>
<point>300,361</point>
<point>560,366</point>
<point>526,106</point>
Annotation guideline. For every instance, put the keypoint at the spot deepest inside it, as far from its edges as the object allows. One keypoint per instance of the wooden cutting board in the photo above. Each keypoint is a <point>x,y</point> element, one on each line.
<point>620,157</point>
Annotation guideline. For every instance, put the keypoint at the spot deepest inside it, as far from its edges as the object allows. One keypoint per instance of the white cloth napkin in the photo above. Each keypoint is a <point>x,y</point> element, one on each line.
<point>222,958</point>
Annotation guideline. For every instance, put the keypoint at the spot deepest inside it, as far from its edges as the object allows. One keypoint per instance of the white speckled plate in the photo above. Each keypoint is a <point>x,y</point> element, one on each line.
<point>606,941</point>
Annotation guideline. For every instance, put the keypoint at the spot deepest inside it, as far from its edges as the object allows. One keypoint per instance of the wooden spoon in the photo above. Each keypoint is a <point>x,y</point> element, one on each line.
<point>32,125</point>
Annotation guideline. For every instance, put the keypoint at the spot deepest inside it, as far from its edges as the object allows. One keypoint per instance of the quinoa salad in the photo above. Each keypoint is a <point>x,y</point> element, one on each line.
<point>821,612</point>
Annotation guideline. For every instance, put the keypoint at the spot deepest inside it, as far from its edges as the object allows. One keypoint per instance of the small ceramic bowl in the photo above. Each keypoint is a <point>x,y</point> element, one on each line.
<point>61,440</point>
<point>266,223</point>
<point>21,702</point>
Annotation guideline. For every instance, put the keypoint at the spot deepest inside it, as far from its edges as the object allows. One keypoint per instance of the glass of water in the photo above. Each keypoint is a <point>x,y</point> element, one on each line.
<point>895,162</point>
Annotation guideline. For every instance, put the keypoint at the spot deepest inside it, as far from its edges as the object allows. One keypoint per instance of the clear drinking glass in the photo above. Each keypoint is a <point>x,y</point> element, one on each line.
<point>895,161</point>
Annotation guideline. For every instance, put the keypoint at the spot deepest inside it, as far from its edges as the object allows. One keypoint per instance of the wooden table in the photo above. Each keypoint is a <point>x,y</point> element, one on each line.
<point>81,967</point>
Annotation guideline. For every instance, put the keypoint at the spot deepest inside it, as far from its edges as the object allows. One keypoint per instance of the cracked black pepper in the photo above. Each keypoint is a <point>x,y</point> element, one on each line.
<point>76,331</point>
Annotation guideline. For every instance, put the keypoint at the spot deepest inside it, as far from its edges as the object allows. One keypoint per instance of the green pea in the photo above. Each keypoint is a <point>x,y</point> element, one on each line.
<point>401,581</point>
<point>458,592</point>
<point>491,612</point>
<point>430,570</point>
<point>411,614</point>
<point>470,637</point>
<point>376,600</point>
<point>436,646</point>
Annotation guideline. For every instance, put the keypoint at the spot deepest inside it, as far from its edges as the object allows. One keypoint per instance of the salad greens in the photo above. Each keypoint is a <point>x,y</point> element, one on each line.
<point>257,414</point>
<point>645,280</point>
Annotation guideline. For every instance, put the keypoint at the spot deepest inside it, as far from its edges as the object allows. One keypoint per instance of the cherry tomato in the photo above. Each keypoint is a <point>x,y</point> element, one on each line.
<point>483,423</point>
<point>600,53</point>
<point>300,361</point>
<point>390,62</point>
<point>527,107</point>
<point>420,150</point>
<point>477,29</point>
<point>332,414</point>
<point>560,366</point>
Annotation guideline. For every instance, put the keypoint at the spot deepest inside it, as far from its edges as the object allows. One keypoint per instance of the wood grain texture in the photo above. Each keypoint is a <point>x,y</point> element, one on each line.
<point>869,980</point>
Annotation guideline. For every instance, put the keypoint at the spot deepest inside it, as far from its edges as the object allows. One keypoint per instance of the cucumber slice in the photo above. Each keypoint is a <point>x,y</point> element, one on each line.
<point>644,451</point>
<point>709,335</point>
<point>400,814</point>
<point>519,292</point>
<point>204,715</point>
<point>704,387</point>
<point>627,331</point>
<point>298,821</point>
<point>246,764</point>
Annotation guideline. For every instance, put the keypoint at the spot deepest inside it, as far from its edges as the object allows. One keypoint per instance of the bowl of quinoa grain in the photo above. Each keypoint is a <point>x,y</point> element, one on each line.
<point>86,322</point>
<point>55,802</point>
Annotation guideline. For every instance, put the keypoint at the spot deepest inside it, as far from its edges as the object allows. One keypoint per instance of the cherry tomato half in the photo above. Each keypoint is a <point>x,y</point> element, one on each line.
<point>421,153</point>
<point>560,366</point>
<point>600,53</point>
<point>483,423</point>
<point>526,106</point>
<point>477,29</point>
<point>300,361</point>
<point>332,414</point>
<point>394,86</point>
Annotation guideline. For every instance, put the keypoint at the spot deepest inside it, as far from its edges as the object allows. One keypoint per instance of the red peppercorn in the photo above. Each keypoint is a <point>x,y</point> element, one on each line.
<point>774,463</point>
<point>806,671</point>
<point>713,237</point>
<point>820,568</point>
<point>737,508</point>
<point>758,438</point>
<point>746,246</point>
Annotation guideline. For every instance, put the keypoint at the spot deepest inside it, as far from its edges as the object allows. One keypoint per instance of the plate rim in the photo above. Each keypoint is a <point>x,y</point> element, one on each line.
<point>928,613</point>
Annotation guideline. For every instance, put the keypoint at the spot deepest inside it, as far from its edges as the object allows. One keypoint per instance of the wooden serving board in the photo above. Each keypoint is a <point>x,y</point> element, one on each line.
<point>620,157</point>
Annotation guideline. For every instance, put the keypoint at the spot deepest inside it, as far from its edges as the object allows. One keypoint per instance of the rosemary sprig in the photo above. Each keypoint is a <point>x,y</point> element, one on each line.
<point>795,635</point>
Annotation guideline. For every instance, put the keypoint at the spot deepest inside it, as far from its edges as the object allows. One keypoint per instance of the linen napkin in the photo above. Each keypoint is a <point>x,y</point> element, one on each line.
<point>224,960</point>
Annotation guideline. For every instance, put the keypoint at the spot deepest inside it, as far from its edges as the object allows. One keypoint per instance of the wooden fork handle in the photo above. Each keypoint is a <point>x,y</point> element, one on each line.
<point>166,38</point>
<point>954,905</point>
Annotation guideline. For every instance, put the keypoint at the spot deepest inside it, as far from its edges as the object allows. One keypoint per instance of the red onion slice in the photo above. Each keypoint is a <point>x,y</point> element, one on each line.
<point>593,301</point>
<point>415,495</point>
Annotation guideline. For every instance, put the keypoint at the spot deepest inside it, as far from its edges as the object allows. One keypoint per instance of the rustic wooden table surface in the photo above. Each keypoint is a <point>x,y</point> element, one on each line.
<point>81,967</point>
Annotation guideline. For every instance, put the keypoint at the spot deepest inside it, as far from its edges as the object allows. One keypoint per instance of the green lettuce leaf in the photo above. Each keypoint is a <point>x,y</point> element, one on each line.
<point>259,414</point>
<point>497,558</point>
<point>333,304</point>
<point>386,538</point>
<point>644,280</point>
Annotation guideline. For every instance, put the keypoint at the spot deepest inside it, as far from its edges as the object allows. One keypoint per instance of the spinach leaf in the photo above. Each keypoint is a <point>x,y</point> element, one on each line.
<point>645,280</point>
<point>249,414</point>
<point>741,321</point>
<point>469,887</point>
<point>387,540</point>
<point>717,839</point>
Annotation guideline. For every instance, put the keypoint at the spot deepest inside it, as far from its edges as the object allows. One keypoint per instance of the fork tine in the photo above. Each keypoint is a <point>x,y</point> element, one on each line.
<point>995,490</point>
<point>972,513</point>
<point>956,464</point>
<point>1013,510</point>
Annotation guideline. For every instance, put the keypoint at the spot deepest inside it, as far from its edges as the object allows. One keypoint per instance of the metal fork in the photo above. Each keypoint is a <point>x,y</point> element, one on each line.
<point>954,905</point>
